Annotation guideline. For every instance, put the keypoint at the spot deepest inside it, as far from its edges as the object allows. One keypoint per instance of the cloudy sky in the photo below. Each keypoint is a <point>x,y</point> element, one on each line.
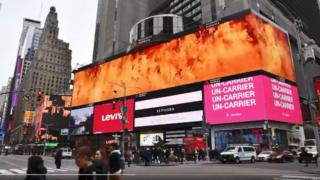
<point>76,24</point>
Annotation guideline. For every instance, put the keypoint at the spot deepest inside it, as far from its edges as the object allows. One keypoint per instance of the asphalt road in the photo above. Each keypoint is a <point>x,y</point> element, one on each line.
<point>13,167</point>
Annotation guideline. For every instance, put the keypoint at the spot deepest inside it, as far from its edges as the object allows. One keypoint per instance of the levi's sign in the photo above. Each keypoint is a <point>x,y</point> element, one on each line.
<point>108,119</point>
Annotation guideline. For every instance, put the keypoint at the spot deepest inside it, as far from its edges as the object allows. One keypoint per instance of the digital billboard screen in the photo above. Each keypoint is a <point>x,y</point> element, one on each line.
<point>164,108</point>
<point>81,121</point>
<point>108,117</point>
<point>150,138</point>
<point>207,54</point>
<point>253,98</point>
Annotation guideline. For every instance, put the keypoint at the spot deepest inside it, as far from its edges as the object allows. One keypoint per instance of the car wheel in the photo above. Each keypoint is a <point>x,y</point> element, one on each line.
<point>253,160</point>
<point>237,160</point>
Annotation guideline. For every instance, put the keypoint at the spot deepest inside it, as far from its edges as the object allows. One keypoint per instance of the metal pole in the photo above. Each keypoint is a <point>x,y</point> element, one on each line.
<point>123,119</point>
<point>45,141</point>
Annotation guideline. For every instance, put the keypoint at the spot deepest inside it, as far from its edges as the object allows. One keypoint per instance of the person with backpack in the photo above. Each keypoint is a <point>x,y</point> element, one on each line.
<point>36,169</point>
<point>116,164</point>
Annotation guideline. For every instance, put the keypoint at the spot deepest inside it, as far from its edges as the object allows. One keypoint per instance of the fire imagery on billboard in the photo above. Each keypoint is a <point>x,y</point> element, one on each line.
<point>207,54</point>
<point>108,118</point>
<point>54,112</point>
<point>251,99</point>
<point>81,121</point>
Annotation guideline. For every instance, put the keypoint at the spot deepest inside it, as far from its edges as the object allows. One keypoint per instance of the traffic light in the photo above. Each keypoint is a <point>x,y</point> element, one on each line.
<point>39,95</point>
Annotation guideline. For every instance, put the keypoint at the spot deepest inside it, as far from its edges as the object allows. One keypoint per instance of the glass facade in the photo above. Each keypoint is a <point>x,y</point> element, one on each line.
<point>257,137</point>
<point>156,25</point>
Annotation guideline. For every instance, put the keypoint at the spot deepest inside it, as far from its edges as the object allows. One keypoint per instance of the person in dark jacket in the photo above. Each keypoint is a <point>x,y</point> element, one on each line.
<point>36,169</point>
<point>58,158</point>
<point>115,163</point>
<point>100,162</point>
<point>87,170</point>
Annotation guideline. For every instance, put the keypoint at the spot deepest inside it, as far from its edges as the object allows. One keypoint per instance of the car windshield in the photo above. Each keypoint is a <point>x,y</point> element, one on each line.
<point>230,149</point>
<point>309,143</point>
<point>266,152</point>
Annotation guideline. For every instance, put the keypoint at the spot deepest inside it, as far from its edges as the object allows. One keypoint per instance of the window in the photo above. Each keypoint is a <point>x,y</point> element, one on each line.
<point>167,25</point>
<point>248,149</point>
<point>240,149</point>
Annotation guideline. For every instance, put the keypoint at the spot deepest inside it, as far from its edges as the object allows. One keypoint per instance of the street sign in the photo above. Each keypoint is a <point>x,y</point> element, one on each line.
<point>124,109</point>
<point>51,144</point>
<point>64,132</point>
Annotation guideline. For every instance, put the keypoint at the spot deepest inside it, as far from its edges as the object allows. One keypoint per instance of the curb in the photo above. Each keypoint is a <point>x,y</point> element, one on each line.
<point>311,172</point>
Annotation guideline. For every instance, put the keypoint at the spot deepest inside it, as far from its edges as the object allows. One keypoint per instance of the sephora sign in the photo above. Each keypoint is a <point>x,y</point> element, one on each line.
<point>254,98</point>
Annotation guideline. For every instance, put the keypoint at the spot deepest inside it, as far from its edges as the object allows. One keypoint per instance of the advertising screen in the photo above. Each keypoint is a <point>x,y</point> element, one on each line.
<point>81,121</point>
<point>174,109</point>
<point>150,138</point>
<point>317,88</point>
<point>54,111</point>
<point>17,80</point>
<point>204,55</point>
<point>251,99</point>
<point>29,117</point>
<point>108,117</point>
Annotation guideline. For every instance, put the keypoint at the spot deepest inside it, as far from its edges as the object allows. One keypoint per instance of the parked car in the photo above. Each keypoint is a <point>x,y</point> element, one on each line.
<point>66,152</point>
<point>265,155</point>
<point>282,156</point>
<point>238,154</point>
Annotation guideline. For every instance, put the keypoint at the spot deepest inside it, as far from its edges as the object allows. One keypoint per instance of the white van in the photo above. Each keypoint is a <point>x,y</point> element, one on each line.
<point>238,153</point>
<point>66,153</point>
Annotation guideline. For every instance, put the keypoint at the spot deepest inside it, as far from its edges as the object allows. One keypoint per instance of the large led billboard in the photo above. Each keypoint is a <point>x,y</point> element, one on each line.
<point>164,108</point>
<point>81,121</point>
<point>54,112</point>
<point>241,45</point>
<point>108,117</point>
<point>253,98</point>
<point>150,138</point>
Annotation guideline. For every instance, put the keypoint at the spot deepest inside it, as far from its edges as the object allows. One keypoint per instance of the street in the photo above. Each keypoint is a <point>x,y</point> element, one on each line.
<point>13,167</point>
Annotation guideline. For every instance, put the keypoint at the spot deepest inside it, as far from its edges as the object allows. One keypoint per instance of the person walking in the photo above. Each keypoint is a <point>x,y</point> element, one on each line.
<point>87,171</point>
<point>36,169</point>
<point>129,157</point>
<point>195,154</point>
<point>58,158</point>
<point>182,155</point>
<point>100,163</point>
<point>115,163</point>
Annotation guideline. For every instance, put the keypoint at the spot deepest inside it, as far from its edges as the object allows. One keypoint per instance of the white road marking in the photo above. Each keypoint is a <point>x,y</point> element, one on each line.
<point>5,172</point>
<point>291,177</point>
<point>19,171</point>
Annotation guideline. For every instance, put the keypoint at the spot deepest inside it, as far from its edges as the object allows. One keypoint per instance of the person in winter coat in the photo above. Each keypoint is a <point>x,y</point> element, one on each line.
<point>58,158</point>
<point>36,169</point>
<point>100,163</point>
<point>115,163</point>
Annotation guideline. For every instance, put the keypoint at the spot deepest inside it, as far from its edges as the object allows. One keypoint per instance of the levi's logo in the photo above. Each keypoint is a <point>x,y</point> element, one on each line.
<point>108,117</point>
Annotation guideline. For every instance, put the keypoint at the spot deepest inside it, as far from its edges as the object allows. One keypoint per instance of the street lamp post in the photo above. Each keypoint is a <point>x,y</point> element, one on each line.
<point>124,108</point>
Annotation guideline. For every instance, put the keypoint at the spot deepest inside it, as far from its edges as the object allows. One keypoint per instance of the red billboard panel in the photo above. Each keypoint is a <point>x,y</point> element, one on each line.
<point>251,99</point>
<point>108,117</point>
<point>207,54</point>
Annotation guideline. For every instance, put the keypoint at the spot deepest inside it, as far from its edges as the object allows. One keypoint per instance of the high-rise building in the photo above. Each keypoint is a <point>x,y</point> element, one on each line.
<point>114,21</point>
<point>49,72</point>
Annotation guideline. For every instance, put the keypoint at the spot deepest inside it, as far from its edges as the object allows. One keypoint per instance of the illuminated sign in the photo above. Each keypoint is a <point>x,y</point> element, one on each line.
<point>150,138</point>
<point>108,119</point>
<point>251,99</point>
<point>81,121</point>
<point>207,54</point>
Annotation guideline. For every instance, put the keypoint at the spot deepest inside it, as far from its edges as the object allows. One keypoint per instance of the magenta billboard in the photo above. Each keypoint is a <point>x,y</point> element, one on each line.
<point>17,78</point>
<point>255,98</point>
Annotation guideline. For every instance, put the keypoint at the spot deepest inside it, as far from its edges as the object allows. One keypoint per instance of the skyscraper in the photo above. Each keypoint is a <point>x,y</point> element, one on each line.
<point>49,72</point>
<point>114,20</point>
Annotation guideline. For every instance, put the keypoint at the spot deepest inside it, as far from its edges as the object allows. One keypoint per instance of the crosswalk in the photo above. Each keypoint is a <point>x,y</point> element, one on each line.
<point>24,170</point>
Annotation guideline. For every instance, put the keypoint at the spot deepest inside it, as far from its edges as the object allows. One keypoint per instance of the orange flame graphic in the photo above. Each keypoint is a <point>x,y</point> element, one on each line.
<point>234,47</point>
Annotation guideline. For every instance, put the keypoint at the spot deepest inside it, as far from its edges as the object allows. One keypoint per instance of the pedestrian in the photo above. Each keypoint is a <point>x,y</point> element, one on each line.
<point>83,160</point>
<point>58,158</point>
<point>182,155</point>
<point>100,163</point>
<point>129,157</point>
<point>115,163</point>
<point>195,154</point>
<point>36,169</point>
<point>305,156</point>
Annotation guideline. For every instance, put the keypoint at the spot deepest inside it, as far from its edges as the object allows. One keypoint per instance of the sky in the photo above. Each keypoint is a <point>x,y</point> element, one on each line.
<point>76,26</point>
